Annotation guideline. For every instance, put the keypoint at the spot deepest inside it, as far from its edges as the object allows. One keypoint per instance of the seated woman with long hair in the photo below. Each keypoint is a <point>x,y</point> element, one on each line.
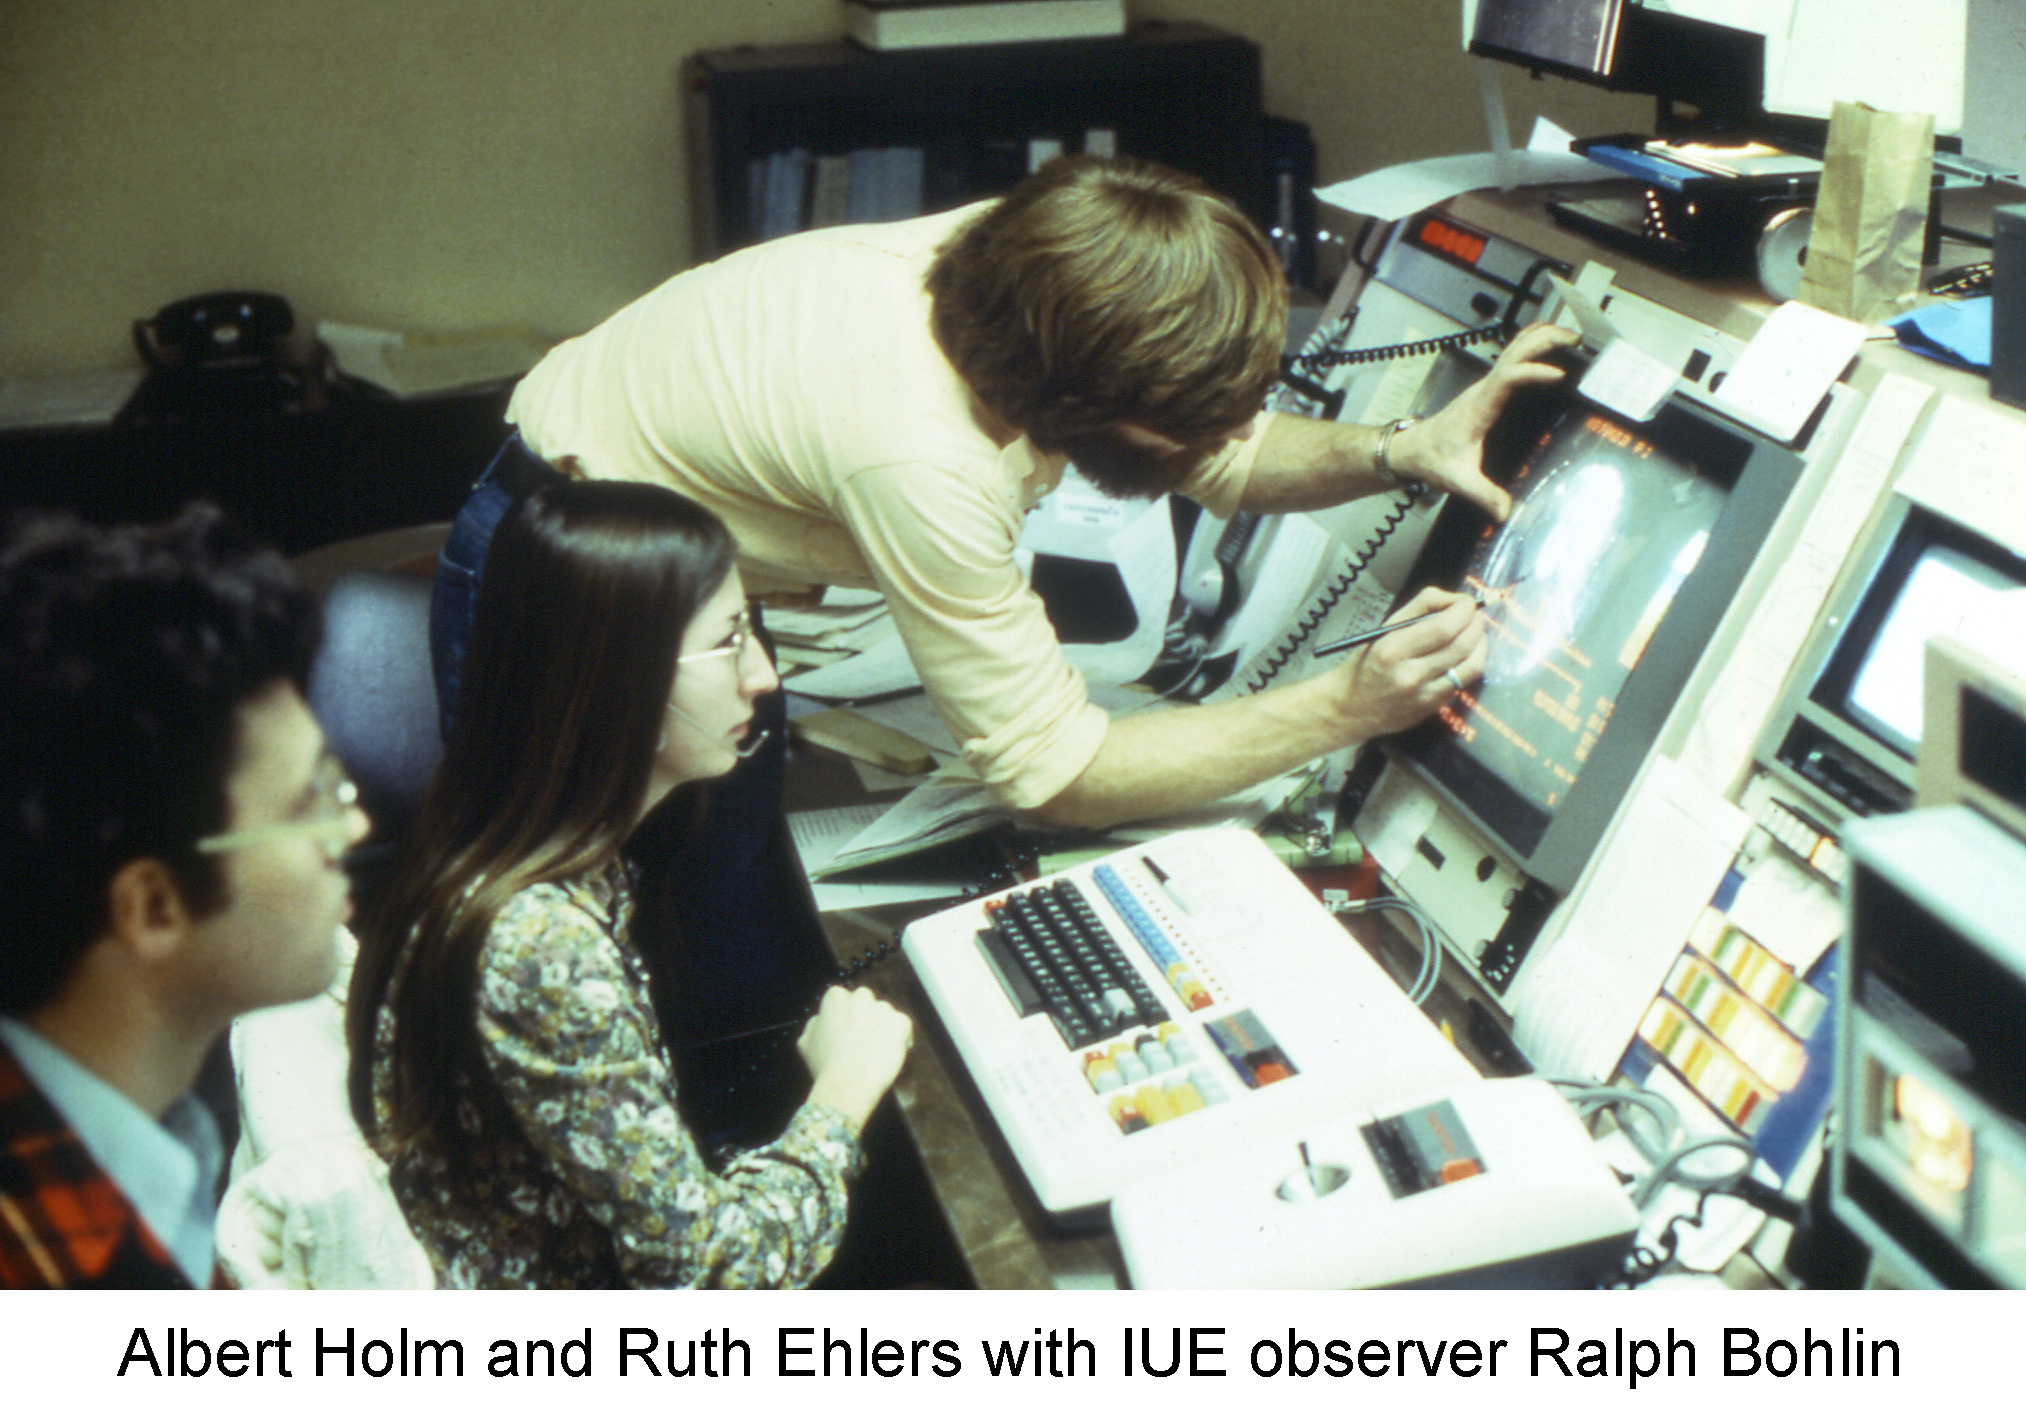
<point>507,1033</point>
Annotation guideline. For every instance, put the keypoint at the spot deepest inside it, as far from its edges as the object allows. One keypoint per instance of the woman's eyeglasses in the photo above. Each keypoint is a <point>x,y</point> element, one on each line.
<point>735,647</point>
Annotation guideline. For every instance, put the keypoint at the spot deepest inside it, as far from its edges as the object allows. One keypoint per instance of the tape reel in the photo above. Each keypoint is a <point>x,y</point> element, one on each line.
<point>1783,251</point>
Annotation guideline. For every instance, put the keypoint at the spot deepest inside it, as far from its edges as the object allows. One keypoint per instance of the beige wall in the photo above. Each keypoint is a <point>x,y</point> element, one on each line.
<point>445,165</point>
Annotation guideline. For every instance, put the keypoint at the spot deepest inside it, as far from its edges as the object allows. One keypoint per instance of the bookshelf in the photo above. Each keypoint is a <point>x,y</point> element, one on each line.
<point>774,132</point>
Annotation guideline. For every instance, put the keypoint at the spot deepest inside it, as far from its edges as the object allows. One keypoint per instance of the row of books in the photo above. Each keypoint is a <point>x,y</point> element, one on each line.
<point>795,190</point>
<point>802,190</point>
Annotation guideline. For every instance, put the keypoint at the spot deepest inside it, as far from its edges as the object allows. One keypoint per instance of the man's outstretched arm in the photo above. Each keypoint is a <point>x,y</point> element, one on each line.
<point>1159,763</point>
<point>1309,464</point>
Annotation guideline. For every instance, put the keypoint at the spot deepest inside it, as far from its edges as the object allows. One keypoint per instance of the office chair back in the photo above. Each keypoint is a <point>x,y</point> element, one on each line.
<point>372,691</point>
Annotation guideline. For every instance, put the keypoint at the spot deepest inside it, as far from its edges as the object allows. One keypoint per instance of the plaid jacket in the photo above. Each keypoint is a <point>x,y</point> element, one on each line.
<point>63,1222</point>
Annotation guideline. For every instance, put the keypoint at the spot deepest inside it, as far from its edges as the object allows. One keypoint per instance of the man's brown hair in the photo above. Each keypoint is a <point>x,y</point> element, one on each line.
<point>1102,292</point>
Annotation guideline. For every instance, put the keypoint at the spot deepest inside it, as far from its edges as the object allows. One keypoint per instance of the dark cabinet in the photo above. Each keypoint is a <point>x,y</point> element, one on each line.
<point>765,119</point>
<point>301,476</point>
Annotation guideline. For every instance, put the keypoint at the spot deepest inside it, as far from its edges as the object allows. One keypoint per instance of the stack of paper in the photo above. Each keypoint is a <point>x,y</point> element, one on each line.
<point>87,399</point>
<point>950,805</point>
<point>818,837</point>
<point>928,24</point>
<point>414,364</point>
<point>846,622</point>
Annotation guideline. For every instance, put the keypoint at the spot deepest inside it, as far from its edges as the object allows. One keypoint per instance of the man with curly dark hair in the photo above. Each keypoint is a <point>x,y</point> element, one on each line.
<point>171,830</point>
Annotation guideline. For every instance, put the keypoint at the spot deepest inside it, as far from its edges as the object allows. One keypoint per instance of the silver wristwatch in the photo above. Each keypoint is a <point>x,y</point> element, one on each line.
<point>1382,458</point>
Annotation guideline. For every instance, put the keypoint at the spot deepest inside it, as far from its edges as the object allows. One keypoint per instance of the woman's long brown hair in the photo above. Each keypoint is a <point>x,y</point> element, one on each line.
<point>588,587</point>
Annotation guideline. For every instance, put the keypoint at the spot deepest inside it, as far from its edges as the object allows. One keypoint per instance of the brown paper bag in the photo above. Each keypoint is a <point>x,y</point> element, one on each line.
<point>1871,214</point>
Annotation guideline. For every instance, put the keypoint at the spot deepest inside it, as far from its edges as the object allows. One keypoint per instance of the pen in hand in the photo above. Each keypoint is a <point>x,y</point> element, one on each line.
<point>1384,628</point>
<point>1373,633</point>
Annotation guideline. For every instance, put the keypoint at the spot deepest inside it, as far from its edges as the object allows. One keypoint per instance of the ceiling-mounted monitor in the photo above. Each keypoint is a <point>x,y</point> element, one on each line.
<point>1573,37</point>
<point>1757,67</point>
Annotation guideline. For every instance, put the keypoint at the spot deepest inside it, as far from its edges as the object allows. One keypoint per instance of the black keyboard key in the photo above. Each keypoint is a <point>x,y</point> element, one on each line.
<point>1011,973</point>
<point>1069,964</point>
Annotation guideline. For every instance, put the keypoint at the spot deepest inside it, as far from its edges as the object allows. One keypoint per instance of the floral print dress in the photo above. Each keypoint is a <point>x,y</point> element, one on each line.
<point>596,1182</point>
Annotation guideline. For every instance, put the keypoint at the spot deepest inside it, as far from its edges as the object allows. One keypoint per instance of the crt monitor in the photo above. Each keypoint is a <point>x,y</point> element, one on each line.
<point>1928,1157</point>
<point>1713,69</point>
<point>1848,732</point>
<point>1624,548</point>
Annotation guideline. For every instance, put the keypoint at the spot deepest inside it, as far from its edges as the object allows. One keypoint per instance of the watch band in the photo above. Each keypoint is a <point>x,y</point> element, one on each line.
<point>1382,458</point>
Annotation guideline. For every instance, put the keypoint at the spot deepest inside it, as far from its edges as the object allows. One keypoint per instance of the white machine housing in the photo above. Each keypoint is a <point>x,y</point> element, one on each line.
<point>1267,953</point>
<point>1490,1184</point>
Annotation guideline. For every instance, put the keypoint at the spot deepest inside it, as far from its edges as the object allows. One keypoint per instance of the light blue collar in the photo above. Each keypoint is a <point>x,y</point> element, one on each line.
<point>167,1169</point>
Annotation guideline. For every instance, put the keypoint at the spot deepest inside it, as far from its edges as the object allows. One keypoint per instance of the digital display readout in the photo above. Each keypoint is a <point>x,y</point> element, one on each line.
<point>1444,238</point>
<point>1604,531</point>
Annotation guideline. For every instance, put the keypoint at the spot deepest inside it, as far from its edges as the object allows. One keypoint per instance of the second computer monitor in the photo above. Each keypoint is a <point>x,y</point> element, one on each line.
<point>1849,730</point>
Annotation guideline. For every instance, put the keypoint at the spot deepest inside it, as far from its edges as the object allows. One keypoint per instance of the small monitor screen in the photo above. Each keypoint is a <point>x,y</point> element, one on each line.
<point>1576,35</point>
<point>1604,531</point>
<point>1935,575</point>
<point>1943,588</point>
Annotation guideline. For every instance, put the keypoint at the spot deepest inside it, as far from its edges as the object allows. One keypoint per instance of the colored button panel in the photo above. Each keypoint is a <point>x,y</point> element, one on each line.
<point>1153,939</point>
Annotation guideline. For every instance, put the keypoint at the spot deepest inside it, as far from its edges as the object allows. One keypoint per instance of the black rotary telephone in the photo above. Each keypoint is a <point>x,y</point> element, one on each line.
<point>217,332</point>
<point>222,354</point>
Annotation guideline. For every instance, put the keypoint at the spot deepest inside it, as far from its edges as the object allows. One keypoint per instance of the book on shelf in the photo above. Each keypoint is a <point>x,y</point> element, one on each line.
<point>830,191</point>
<point>928,24</point>
<point>883,183</point>
<point>786,192</point>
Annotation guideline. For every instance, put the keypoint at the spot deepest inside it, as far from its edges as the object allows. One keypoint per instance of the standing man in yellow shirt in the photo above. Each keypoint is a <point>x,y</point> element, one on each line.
<point>880,405</point>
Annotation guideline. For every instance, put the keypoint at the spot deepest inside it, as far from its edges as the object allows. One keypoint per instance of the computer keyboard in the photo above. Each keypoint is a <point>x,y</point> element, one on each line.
<point>1164,1004</point>
<point>1054,956</point>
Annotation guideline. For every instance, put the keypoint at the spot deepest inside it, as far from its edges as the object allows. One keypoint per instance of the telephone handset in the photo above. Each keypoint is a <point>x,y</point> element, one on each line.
<point>1241,581</point>
<point>216,331</point>
<point>1255,580</point>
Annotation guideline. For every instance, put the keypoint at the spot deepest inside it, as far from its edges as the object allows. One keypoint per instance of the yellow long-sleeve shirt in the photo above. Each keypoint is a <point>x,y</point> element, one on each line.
<point>796,389</point>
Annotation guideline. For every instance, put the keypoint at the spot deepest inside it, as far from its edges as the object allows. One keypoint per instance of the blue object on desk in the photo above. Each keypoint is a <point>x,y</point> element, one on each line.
<point>1958,333</point>
<point>1644,165</point>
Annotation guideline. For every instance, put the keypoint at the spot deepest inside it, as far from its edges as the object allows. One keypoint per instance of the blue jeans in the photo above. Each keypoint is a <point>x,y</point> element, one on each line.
<point>753,948</point>
<point>459,567</point>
